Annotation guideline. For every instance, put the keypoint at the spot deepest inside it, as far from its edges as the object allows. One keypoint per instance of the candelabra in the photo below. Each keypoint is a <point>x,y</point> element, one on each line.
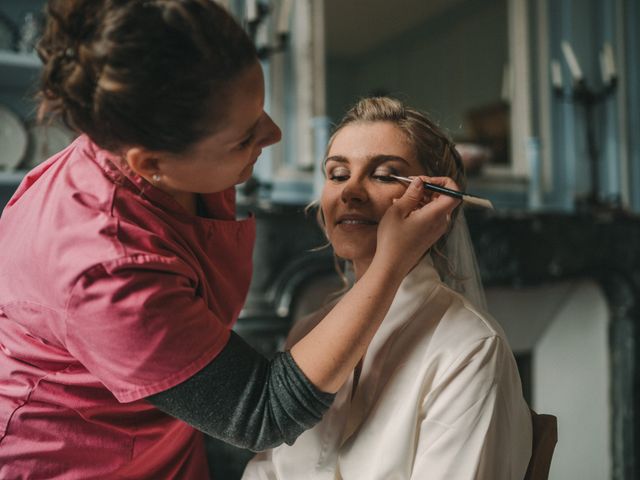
<point>256,17</point>
<point>588,98</point>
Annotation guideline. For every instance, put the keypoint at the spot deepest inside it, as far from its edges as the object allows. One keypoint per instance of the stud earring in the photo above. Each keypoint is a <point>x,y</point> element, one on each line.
<point>156,177</point>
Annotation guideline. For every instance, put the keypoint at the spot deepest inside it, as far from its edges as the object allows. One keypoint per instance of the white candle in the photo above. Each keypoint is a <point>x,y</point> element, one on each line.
<point>506,92</point>
<point>609,65</point>
<point>572,61</point>
<point>262,36</point>
<point>556,74</point>
<point>251,8</point>
<point>532,149</point>
<point>603,68</point>
<point>282,27</point>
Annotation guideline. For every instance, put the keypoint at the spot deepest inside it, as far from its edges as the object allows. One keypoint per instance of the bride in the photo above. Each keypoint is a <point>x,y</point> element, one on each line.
<point>437,394</point>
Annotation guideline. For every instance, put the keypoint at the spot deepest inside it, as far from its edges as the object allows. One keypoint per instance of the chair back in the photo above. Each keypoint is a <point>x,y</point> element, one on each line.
<point>545,437</point>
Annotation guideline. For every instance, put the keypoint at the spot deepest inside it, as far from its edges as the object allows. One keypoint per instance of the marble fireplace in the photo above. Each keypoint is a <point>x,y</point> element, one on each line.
<point>564,287</point>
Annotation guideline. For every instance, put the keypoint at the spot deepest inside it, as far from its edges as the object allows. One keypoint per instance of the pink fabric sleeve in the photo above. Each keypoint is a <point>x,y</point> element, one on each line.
<point>139,326</point>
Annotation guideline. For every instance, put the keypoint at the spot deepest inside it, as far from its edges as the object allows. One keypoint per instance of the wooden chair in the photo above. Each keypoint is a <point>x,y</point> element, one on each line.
<point>545,437</point>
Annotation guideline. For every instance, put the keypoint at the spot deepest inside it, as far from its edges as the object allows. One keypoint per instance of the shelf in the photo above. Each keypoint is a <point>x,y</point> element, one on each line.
<point>18,70</point>
<point>12,59</point>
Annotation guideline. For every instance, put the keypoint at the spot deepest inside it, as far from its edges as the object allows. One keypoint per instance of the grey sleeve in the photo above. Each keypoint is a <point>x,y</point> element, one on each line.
<point>246,400</point>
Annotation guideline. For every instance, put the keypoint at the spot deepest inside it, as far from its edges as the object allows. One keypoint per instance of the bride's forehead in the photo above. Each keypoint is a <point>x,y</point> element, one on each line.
<point>365,140</point>
<point>372,132</point>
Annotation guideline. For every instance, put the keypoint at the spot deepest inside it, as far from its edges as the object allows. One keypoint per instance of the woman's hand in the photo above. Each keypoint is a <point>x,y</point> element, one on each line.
<point>413,224</point>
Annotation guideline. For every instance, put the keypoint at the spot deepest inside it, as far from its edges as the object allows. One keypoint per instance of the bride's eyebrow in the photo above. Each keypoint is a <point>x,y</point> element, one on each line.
<point>334,158</point>
<point>378,159</point>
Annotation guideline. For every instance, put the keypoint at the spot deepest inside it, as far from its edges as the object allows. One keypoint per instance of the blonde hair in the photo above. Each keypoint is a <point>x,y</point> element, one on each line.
<point>434,150</point>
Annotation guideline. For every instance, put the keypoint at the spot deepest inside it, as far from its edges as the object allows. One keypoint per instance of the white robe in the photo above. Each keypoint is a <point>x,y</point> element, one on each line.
<point>439,397</point>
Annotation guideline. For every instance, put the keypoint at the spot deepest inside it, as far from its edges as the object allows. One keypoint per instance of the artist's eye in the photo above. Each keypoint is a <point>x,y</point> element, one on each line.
<point>246,143</point>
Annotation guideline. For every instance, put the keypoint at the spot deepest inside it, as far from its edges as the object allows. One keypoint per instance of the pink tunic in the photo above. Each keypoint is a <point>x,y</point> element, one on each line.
<point>109,292</point>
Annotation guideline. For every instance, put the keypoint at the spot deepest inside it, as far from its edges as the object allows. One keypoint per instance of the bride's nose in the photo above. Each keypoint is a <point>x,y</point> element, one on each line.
<point>354,190</point>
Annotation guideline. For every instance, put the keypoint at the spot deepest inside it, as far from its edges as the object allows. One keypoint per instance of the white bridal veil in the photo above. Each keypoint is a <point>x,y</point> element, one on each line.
<point>463,274</point>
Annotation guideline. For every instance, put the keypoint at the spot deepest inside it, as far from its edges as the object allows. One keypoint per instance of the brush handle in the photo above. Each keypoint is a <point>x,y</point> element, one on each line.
<point>444,190</point>
<point>473,199</point>
<point>434,188</point>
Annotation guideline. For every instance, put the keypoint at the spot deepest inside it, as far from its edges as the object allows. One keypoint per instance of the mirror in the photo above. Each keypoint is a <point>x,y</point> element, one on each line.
<point>446,57</point>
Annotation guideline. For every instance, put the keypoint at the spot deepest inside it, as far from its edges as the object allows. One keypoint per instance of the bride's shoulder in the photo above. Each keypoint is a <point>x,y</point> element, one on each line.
<point>306,323</point>
<point>472,321</point>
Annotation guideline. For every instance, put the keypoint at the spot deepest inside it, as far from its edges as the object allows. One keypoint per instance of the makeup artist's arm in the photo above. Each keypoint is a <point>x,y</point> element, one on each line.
<point>249,401</point>
<point>328,354</point>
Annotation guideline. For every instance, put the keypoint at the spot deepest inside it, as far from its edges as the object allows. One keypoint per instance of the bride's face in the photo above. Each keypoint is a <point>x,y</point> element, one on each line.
<point>356,193</point>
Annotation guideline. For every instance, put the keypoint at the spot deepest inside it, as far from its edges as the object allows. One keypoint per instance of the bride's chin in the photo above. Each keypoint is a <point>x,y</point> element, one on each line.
<point>354,253</point>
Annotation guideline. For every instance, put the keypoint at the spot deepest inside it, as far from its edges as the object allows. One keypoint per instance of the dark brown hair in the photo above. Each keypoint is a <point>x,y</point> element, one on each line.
<point>149,73</point>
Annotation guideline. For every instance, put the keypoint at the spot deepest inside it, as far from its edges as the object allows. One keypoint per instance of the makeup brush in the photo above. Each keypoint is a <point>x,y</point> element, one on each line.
<point>465,197</point>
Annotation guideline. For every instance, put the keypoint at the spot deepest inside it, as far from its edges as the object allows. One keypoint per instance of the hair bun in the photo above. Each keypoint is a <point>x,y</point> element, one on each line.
<point>70,53</point>
<point>125,74</point>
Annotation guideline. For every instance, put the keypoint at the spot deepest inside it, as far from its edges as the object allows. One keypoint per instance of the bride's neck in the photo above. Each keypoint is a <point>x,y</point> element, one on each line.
<point>360,266</point>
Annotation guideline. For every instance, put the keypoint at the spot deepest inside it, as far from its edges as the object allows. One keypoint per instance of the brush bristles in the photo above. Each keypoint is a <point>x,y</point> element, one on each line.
<point>480,202</point>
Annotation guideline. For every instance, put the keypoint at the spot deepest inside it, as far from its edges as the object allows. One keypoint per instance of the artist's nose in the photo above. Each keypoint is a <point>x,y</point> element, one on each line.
<point>271,133</point>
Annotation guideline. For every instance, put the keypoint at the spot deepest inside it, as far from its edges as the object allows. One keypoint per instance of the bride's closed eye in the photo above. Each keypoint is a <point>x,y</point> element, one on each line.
<point>382,175</point>
<point>342,174</point>
<point>338,174</point>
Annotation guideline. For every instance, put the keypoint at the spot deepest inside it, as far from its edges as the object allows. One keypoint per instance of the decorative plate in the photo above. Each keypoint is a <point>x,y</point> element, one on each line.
<point>45,141</point>
<point>8,33</point>
<point>13,139</point>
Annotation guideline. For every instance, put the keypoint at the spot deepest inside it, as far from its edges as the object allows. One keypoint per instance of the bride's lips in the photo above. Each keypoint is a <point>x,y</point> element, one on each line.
<point>355,221</point>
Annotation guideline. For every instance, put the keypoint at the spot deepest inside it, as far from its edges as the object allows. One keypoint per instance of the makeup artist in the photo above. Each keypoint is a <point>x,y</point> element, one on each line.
<point>123,267</point>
